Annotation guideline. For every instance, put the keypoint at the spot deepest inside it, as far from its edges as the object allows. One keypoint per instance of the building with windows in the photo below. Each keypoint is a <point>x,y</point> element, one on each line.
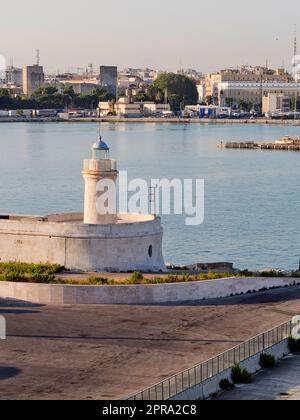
<point>125,108</point>
<point>244,74</point>
<point>14,76</point>
<point>33,78</point>
<point>232,93</point>
<point>276,102</point>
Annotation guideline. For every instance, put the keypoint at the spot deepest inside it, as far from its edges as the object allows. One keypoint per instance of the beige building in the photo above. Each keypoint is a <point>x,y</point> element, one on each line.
<point>235,92</point>
<point>136,109</point>
<point>122,108</point>
<point>153,108</point>
<point>33,78</point>
<point>276,102</point>
<point>244,74</point>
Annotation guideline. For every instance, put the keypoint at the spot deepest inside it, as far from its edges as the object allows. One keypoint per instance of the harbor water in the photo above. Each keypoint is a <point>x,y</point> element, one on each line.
<point>252,198</point>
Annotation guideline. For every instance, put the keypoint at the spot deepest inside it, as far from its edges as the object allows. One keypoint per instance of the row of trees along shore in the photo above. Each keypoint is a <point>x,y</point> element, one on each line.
<point>51,98</point>
<point>177,90</point>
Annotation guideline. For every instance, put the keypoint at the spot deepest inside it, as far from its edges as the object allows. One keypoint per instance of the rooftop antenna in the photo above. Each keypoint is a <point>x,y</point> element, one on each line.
<point>295,67</point>
<point>38,56</point>
<point>295,42</point>
<point>295,52</point>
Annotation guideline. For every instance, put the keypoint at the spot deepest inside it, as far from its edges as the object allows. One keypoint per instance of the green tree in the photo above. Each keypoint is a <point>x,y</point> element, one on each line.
<point>48,97</point>
<point>142,97</point>
<point>52,98</point>
<point>229,102</point>
<point>245,105</point>
<point>5,99</point>
<point>180,90</point>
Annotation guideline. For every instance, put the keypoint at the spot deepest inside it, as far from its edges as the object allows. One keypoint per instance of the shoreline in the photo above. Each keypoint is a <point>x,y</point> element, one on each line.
<point>185,121</point>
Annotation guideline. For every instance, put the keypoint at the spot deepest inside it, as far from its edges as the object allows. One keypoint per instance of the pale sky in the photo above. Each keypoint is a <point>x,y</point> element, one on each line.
<point>206,35</point>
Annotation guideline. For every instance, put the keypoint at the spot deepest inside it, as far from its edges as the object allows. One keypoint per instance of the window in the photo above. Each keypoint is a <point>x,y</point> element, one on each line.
<point>150,251</point>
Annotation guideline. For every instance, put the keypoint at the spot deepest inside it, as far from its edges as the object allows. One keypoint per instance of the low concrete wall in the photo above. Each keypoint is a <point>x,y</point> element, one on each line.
<point>211,386</point>
<point>140,294</point>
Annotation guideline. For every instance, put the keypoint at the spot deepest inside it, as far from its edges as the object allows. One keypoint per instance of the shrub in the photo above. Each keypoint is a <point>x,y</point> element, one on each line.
<point>99,281</point>
<point>240,375</point>
<point>267,361</point>
<point>295,274</point>
<point>226,385</point>
<point>14,275</point>
<point>246,273</point>
<point>41,278</point>
<point>136,278</point>
<point>294,345</point>
<point>272,273</point>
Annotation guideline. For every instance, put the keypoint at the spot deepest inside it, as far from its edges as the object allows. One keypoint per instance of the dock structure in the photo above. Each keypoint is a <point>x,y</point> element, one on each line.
<point>286,143</point>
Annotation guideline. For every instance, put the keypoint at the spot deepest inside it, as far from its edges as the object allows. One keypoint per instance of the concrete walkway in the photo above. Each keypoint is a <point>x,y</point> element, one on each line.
<point>281,383</point>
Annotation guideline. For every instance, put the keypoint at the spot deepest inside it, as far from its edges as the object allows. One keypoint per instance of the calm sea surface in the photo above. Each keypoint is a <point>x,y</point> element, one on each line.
<point>252,198</point>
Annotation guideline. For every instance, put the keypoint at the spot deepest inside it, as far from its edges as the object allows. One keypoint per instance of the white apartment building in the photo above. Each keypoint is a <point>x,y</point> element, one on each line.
<point>254,92</point>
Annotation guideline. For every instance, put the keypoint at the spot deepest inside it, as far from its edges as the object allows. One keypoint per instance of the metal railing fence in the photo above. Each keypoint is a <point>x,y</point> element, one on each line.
<point>202,372</point>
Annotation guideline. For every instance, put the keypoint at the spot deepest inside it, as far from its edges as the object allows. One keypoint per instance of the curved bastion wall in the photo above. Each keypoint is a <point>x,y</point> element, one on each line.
<point>133,243</point>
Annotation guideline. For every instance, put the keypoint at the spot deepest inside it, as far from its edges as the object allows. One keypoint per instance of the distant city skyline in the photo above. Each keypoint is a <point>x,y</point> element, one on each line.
<point>167,35</point>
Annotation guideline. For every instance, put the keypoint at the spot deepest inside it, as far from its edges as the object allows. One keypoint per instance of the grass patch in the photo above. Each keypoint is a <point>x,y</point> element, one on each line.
<point>49,274</point>
<point>138,278</point>
<point>29,273</point>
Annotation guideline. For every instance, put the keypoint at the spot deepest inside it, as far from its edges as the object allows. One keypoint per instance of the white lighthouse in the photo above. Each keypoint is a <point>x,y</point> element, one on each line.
<point>93,241</point>
<point>99,168</point>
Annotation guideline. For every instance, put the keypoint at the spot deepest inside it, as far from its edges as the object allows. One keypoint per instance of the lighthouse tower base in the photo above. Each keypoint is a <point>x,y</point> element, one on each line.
<point>133,243</point>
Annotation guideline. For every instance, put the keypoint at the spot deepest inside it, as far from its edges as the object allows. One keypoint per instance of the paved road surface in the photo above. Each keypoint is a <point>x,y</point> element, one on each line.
<point>97,352</point>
